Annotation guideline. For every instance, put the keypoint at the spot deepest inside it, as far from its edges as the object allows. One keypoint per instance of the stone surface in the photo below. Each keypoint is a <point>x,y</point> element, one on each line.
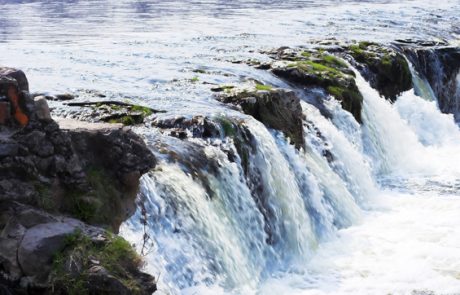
<point>17,75</point>
<point>38,246</point>
<point>42,108</point>
<point>87,171</point>
<point>277,108</point>
<point>439,65</point>
<point>383,67</point>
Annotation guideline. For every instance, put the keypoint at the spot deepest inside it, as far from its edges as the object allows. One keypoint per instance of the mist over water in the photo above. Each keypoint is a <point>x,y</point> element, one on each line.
<point>369,208</point>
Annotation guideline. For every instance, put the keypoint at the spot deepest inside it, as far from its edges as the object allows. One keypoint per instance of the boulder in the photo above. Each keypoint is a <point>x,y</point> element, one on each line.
<point>279,109</point>
<point>17,75</point>
<point>105,284</point>
<point>319,69</point>
<point>383,67</point>
<point>38,246</point>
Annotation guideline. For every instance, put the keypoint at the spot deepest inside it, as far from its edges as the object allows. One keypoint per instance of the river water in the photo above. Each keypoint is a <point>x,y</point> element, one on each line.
<point>381,219</point>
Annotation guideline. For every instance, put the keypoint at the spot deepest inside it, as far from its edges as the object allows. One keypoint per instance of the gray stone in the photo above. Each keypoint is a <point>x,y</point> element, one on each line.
<point>42,109</point>
<point>103,283</point>
<point>39,245</point>
<point>31,217</point>
<point>9,149</point>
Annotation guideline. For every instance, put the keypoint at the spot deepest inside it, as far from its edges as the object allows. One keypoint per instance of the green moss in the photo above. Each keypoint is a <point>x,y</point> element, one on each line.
<point>364,44</point>
<point>115,107</point>
<point>127,120</point>
<point>98,205</point>
<point>336,91</point>
<point>195,79</point>
<point>306,54</point>
<point>263,87</point>
<point>334,61</point>
<point>351,99</point>
<point>227,126</point>
<point>316,68</point>
<point>115,254</point>
<point>144,110</point>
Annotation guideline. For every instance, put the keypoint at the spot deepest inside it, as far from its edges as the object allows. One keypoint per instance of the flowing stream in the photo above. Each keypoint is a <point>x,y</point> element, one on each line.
<point>369,208</point>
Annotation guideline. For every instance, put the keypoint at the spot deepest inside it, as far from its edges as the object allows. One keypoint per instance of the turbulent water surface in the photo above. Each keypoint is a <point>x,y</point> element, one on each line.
<point>381,218</point>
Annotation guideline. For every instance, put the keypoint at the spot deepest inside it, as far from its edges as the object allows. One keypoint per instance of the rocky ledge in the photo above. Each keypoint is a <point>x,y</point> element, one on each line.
<point>65,188</point>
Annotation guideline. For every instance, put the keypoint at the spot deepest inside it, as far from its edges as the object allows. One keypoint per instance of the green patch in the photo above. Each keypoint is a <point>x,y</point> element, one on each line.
<point>115,254</point>
<point>144,110</point>
<point>262,87</point>
<point>227,126</point>
<point>98,205</point>
<point>351,99</point>
<point>306,54</point>
<point>365,44</point>
<point>195,79</point>
<point>334,61</point>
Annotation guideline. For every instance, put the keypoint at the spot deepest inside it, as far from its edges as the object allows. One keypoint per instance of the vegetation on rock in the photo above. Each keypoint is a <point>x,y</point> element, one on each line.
<point>108,254</point>
<point>384,68</point>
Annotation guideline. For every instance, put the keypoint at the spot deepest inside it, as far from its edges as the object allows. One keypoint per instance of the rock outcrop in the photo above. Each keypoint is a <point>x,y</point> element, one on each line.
<point>66,180</point>
<point>318,70</point>
<point>439,64</point>
<point>277,108</point>
<point>383,67</point>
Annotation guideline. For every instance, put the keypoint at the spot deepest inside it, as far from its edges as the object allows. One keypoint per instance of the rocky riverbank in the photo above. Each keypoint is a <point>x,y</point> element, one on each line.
<point>65,188</point>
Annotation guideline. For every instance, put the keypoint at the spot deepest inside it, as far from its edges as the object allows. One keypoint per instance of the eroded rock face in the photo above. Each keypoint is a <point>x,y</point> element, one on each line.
<point>313,68</point>
<point>276,108</point>
<point>383,67</point>
<point>87,171</point>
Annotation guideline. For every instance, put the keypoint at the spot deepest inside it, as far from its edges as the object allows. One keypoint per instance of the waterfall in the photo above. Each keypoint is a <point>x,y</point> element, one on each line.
<point>231,226</point>
<point>231,213</point>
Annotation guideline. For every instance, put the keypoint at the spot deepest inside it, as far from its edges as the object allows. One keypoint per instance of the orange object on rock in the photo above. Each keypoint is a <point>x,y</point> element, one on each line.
<point>18,114</point>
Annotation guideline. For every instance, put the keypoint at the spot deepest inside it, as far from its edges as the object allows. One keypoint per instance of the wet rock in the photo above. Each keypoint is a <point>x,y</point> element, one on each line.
<point>316,68</point>
<point>277,108</point>
<point>440,66</point>
<point>110,112</point>
<point>182,127</point>
<point>64,97</point>
<point>383,67</point>
<point>8,147</point>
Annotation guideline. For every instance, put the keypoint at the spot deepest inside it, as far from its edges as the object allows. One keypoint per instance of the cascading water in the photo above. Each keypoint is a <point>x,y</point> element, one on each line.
<point>273,219</point>
<point>211,228</point>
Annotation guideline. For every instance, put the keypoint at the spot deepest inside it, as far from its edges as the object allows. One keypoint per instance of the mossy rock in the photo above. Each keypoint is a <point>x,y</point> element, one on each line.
<point>386,69</point>
<point>105,264</point>
<point>318,68</point>
<point>276,108</point>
